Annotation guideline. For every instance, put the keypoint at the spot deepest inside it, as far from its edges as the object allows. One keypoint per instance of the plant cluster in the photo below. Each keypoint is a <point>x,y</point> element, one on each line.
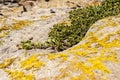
<point>63,36</point>
<point>28,44</point>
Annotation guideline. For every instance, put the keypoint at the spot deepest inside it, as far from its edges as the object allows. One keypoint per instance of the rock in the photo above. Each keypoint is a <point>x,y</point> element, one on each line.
<point>1,14</point>
<point>52,11</point>
<point>31,38</point>
<point>27,5</point>
<point>3,75</point>
<point>6,2</point>
<point>47,0</point>
<point>96,56</point>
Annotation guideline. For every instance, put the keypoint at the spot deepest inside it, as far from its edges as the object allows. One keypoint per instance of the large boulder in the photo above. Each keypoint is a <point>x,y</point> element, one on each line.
<point>96,57</point>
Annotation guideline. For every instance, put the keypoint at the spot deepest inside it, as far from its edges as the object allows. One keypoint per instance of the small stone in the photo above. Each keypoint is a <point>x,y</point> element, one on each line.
<point>1,14</point>
<point>10,39</point>
<point>73,7</point>
<point>52,11</point>
<point>31,38</point>
<point>47,0</point>
<point>78,6</point>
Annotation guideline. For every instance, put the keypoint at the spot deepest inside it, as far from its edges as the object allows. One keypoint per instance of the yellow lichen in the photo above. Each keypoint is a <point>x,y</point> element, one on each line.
<point>18,24</point>
<point>1,42</point>
<point>54,56</point>
<point>18,75</point>
<point>6,63</point>
<point>112,23</point>
<point>31,62</point>
<point>45,17</point>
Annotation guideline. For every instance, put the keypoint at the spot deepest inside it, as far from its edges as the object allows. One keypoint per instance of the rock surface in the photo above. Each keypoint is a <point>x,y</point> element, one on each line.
<point>96,57</point>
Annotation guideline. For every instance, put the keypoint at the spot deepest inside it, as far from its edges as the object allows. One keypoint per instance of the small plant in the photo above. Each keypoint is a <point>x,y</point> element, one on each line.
<point>28,45</point>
